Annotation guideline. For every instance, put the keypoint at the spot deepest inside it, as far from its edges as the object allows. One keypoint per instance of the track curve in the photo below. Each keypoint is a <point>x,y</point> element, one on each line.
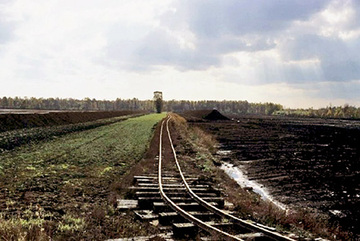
<point>271,235</point>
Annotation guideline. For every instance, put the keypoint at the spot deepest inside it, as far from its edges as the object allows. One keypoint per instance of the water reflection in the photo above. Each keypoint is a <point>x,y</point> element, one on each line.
<point>238,175</point>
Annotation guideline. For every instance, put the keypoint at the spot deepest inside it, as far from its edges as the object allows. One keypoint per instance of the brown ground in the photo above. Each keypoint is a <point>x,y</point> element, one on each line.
<point>18,120</point>
<point>303,162</point>
<point>192,148</point>
<point>76,190</point>
<point>193,152</point>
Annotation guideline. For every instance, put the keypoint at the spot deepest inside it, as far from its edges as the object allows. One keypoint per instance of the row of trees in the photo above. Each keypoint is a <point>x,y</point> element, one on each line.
<point>74,104</point>
<point>227,107</point>
<point>346,111</point>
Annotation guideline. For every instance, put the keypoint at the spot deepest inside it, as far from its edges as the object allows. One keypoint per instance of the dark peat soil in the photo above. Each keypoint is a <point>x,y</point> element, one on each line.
<point>302,162</point>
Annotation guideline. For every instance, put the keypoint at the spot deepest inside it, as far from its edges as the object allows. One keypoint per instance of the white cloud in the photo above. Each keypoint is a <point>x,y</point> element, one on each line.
<point>257,50</point>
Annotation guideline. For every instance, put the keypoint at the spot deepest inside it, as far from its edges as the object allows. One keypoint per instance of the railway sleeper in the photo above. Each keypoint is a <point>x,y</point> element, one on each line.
<point>172,189</point>
<point>193,206</point>
<point>127,204</point>
<point>162,236</point>
<point>173,194</point>
<point>173,177</point>
<point>147,202</point>
<point>173,217</point>
<point>245,236</point>
<point>146,215</point>
<point>188,229</point>
<point>175,185</point>
<point>144,180</point>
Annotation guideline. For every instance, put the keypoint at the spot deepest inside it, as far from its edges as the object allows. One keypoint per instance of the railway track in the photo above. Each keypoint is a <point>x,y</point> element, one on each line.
<point>223,225</point>
<point>185,206</point>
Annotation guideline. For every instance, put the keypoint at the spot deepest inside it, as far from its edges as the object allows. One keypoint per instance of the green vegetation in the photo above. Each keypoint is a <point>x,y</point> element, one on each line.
<point>227,107</point>
<point>346,111</point>
<point>68,186</point>
<point>14,138</point>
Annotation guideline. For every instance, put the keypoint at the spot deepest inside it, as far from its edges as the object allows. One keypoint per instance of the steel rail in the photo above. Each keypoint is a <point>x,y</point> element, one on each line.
<point>241,222</point>
<point>183,213</point>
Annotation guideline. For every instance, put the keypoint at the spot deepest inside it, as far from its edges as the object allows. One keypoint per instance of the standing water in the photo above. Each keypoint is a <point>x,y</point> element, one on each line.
<point>236,173</point>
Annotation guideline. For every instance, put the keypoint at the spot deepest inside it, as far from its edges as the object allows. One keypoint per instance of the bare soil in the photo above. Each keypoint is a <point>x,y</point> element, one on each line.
<point>302,162</point>
<point>31,118</point>
<point>291,153</point>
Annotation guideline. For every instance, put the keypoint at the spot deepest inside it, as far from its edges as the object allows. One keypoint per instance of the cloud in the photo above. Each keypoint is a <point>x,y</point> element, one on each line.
<point>332,92</point>
<point>329,38</point>
<point>5,32</point>
<point>6,25</point>
<point>196,35</point>
<point>236,46</point>
<point>161,48</point>
<point>338,60</point>
<point>212,19</point>
<point>313,41</point>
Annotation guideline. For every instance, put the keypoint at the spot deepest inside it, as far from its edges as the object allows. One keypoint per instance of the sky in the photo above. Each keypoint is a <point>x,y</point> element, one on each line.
<point>298,53</point>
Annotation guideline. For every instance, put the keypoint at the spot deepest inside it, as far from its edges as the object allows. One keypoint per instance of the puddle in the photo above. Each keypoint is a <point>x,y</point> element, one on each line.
<point>238,175</point>
<point>223,152</point>
<point>337,213</point>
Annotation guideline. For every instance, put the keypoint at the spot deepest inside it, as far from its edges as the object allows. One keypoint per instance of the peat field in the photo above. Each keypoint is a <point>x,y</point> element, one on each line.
<point>302,162</point>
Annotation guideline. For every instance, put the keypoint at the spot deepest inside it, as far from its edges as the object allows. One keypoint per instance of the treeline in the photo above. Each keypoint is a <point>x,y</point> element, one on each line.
<point>73,104</point>
<point>346,112</point>
<point>227,107</point>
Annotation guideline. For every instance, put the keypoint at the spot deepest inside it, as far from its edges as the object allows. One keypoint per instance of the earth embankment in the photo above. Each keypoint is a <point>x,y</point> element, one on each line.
<point>13,121</point>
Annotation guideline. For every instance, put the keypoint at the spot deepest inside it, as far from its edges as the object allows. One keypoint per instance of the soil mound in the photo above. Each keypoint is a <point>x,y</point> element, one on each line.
<point>196,115</point>
<point>215,115</point>
<point>19,121</point>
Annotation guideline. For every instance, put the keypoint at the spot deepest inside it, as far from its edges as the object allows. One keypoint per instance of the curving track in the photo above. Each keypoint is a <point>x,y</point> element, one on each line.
<point>250,229</point>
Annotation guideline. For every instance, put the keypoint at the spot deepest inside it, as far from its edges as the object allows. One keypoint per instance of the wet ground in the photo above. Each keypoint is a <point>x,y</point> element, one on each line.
<point>301,162</point>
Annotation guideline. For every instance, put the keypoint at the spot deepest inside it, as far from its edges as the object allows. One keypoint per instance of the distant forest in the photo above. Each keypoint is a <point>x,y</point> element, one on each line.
<point>345,112</point>
<point>225,106</point>
<point>230,107</point>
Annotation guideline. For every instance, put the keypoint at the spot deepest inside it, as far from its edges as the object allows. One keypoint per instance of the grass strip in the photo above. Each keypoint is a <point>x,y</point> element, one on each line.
<point>64,187</point>
<point>15,138</point>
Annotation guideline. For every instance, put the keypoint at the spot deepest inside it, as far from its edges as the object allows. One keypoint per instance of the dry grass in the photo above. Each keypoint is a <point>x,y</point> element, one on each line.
<point>22,229</point>
<point>194,135</point>
<point>197,146</point>
<point>205,140</point>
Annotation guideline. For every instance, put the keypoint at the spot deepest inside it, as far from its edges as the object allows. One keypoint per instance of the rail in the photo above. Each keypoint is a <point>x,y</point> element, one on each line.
<point>176,208</point>
<point>213,230</point>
